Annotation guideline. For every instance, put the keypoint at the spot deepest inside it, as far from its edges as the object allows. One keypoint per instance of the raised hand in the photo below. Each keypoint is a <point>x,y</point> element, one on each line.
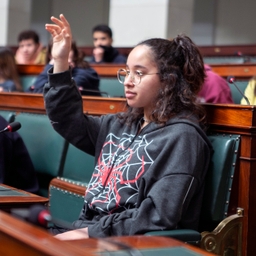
<point>62,39</point>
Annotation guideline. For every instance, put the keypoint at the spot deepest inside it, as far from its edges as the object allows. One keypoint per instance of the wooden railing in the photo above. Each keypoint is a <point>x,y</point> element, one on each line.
<point>214,50</point>
<point>240,71</point>
<point>209,50</point>
<point>104,70</point>
<point>34,103</point>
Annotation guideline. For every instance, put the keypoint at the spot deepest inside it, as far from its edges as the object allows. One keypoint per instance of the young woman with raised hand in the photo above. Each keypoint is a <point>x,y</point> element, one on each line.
<point>150,161</point>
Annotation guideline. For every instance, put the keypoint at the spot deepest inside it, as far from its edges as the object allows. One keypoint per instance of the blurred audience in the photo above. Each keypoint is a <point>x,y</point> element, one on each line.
<point>103,51</point>
<point>16,167</point>
<point>85,77</point>
<point>9,77</point>
<point>30,50</point>
<point>250,92</point>
<point>215,88</point>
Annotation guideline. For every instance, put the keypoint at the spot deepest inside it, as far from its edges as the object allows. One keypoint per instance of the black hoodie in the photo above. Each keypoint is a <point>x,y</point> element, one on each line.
<point>142,182</point>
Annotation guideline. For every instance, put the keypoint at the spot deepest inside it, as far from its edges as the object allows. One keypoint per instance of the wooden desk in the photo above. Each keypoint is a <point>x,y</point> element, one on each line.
<point>34,103</point>
<point>15,198</point>
<point>20,238</point>
<point>240,71</point>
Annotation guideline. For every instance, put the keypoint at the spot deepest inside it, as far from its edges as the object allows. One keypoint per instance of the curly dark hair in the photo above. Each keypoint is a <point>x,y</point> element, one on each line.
<point>181,71</point>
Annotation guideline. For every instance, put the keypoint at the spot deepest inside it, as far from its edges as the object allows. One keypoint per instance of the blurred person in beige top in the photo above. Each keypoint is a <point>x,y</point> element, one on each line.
<point>30,50</point>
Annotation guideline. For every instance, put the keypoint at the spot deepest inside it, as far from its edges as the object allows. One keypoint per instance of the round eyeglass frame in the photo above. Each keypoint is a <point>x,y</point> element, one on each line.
<point>133,77</point>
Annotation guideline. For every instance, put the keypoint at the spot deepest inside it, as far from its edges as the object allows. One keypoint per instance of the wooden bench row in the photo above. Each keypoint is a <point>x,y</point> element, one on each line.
<point>213,50</point>
<point>240,71</point>
<point>209,50</point>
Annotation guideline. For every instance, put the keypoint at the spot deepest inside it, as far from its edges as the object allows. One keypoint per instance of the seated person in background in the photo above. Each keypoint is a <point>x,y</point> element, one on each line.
<point>103,51</point>
<point>215,88</point>
<point>151,159</point>
<point>250,92</point>
<point>9,76</point>
<point>30,50</point>
<point>85,77</point>
<point>16,167</point>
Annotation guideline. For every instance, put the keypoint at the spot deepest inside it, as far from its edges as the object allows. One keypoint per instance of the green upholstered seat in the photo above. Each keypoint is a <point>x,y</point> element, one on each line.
<point>217,189</point>
<point>65,205</point>
<point>78,165</point>
<point>224,59</point>
<point>45,146</point>
<point>236,95</point>
<point>9,116</point>
<point>112,87</point>
<point>77,170</point>
<point>27,81</point>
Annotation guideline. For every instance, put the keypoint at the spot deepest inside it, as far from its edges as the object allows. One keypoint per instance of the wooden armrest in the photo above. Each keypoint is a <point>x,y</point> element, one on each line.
<point>69,185</point>
<point>226,238</point>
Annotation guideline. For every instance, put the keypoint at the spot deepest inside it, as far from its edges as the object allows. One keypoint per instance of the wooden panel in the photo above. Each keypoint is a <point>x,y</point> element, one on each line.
<point>16,198</point>
<point>228,50</point>
<point>30,69</point>
<point>29,102</point>
<point>20,238</point>
<point>209,50</point>
<point>240,71</point>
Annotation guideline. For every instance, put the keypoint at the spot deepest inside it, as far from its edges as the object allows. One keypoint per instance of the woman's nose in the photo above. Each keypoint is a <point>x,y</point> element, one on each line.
<point>129,80</point>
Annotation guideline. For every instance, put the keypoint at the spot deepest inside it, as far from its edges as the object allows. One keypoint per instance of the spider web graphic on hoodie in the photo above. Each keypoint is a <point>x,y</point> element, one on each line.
<point>121,163</point>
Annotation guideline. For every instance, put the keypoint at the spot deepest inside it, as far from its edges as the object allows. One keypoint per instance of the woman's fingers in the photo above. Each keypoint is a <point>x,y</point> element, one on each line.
<point>61,26</point>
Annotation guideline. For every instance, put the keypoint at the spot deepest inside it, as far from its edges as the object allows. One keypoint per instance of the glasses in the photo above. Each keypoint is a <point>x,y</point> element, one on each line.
<point>123,74</point>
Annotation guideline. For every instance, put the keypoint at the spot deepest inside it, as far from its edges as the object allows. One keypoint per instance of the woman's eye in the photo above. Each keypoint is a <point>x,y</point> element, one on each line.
<point>138,73</point>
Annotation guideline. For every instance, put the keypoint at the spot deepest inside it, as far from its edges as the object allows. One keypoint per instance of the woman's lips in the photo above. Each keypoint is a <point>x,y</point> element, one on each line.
<point>129,94</point>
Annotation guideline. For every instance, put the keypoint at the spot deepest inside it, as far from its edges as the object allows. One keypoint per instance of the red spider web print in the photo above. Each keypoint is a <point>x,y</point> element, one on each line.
<point>120,165</point>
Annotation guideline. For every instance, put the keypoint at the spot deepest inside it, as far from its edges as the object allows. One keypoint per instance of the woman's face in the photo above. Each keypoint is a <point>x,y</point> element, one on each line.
<point>144,94</point>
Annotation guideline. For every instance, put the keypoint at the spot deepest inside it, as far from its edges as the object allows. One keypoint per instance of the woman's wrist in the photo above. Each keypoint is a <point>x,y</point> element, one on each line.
<point>60,66</point>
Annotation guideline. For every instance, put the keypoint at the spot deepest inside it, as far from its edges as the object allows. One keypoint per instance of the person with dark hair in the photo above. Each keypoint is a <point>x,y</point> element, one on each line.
<point>85,77</point>
<point>9,76</point>
<point>151,160</point>
<point>30,50</point>
<point>16,167</point>
<point>103,51</point>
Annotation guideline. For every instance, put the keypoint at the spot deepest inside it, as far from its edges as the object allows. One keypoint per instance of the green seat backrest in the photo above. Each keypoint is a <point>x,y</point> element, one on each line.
<point>219,180</point>
<point>112,87</point>
<point>45,146</point>
<point>27,81</point>
<point>236,95</point>
<point>77,170</point>
<point>64,205</point>
<point>224,59</point>
<point>9,116</point>
<point>78,165</point>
